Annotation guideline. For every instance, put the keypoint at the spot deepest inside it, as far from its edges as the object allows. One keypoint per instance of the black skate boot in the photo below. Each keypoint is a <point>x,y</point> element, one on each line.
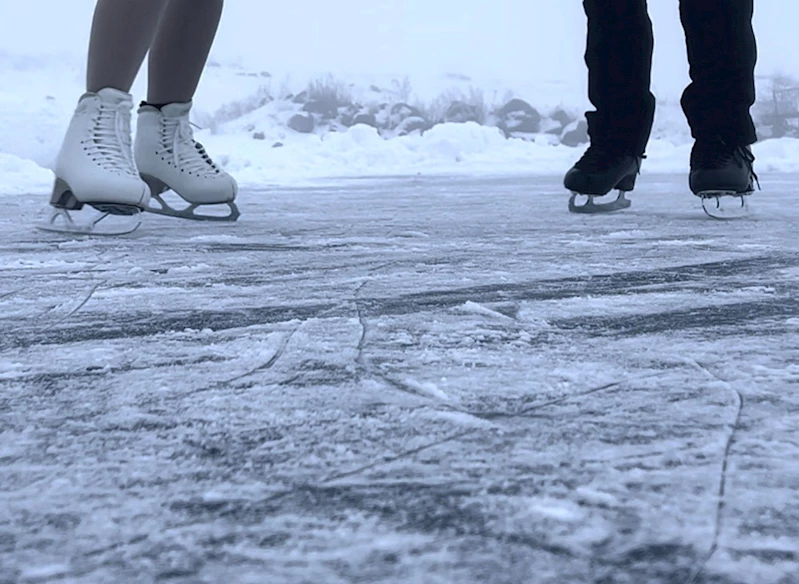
<point>599,171</point>
<point>722,173</point>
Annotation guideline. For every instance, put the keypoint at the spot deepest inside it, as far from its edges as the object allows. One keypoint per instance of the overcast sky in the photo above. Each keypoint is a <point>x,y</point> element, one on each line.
<point>512,39</point>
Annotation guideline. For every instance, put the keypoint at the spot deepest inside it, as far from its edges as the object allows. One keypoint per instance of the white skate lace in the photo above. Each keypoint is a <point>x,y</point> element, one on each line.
<point>111,139</point>
<point>188,155</point>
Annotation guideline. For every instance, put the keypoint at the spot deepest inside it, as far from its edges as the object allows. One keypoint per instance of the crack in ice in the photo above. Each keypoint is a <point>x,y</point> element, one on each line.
<point>722,491</point>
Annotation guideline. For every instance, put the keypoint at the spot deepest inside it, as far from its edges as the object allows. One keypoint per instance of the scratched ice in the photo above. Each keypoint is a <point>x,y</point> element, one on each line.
<point>407,380</point>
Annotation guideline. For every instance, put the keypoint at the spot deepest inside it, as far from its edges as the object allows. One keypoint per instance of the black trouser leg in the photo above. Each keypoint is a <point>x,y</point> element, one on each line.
<point>619,59</point>
<point>722,53</point>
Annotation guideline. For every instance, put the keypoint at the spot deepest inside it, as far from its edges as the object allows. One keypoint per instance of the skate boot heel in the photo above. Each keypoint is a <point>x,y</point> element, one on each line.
<point>63,197</point>
<point>627,184</point>
<point>68,214</point>
<point>157,186</point>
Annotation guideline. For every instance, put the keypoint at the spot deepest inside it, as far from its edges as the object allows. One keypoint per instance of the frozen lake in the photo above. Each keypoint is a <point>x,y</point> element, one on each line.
<point>429,380</point>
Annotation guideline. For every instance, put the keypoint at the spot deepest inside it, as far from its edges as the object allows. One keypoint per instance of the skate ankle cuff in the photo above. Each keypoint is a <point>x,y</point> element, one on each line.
<point>158,106</point>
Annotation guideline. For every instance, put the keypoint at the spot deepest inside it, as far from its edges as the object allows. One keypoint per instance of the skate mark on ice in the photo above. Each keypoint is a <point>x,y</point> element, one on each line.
<point>413,506</point>
<point>395,457</point>
<point>666,279</point>
<point>360,358</point>
<point>281,349</point>
<point>496,415</point>
<point>115,546</point>
<point>141,324</point>
<point>367,368</point>
<point>488,416</point>
<point>11,293</point>
<point>266,247</point>
<point>713,317</point>
<point>421,508</point>
<point>284,343</point>
<point>80,305</point>
<point>50,379</point>
<point>650,563</point>
<point>721,496</point>
<point>328,494</point>
<point>49,326</point>
<point>364,365</point>
<point>145,324</point>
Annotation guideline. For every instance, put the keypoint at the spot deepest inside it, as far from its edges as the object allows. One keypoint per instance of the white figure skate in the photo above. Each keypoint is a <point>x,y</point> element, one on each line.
<point>169,158</point>
<point>97,188</point>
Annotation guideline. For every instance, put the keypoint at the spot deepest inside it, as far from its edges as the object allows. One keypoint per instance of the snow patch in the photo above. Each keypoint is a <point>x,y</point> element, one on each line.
<point>44,572</point>
<point>463,419</point>
<point>589,496</point>
<point>557,509</point>
<point>19,176</point>
<point>475,308</point>
<point>189,269</point>
<point>427,388</point>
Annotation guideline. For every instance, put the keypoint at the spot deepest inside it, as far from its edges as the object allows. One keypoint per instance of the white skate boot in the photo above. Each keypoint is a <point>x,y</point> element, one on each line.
<point>97,188</point>
<point>169,158</point>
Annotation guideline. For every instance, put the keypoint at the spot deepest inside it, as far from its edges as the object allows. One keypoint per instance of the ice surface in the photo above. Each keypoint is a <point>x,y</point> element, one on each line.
<point>420,379</point>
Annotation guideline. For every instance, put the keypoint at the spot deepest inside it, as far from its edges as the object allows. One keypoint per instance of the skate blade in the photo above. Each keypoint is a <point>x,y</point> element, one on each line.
<point>591,207</point>
<point>99,219</point>
<point>725,205</point>
<point>164,208</point>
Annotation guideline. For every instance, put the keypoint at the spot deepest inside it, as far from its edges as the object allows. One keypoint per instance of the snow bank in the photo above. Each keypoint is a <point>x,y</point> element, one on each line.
<point>18,176</point>
<point>360,151</point>
<point>446,149</point>
<point>247,118</point>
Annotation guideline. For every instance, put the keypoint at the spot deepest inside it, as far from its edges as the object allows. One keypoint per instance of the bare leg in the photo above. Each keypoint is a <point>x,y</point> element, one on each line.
<point>122,32</point>
<point>180,49</point>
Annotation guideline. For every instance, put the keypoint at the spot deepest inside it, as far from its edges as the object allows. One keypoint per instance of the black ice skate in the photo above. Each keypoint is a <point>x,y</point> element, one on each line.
<point>599,171</point>
<point>722,175</point>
